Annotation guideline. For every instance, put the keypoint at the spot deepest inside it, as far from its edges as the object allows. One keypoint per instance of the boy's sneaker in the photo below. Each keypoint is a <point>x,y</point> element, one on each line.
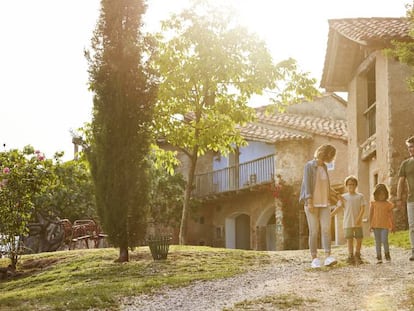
<point>316,263</point>
<point>330,261</point>
<point>350,260</point>
<point>379,259</point>
<point>387,257</point>
<point>358,259</point>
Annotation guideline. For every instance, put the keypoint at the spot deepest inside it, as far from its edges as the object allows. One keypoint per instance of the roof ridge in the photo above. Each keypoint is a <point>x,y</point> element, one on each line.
<point>302,122</point>
<point>366,30</point>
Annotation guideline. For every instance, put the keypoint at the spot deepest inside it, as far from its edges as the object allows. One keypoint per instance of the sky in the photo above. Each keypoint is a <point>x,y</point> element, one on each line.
<point>43,72</point>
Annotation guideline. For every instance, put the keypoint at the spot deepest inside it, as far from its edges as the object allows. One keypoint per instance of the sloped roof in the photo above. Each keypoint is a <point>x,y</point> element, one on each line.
<point>349,40</point>
<point>272,127</point>
<point>303,125</point>
<point>368,31</point>
<point>257,132</point>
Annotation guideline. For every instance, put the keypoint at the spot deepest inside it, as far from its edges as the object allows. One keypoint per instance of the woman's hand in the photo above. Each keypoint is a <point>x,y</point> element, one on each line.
<point>311,208</point>
<point>342,200</point>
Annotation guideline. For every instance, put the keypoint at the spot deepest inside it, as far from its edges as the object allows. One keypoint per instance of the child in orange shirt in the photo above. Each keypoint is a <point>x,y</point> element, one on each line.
<point>381,220</point>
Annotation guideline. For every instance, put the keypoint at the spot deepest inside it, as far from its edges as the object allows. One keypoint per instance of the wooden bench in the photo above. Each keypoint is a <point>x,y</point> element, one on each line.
<point>82,230</point>
<point>84,238</point>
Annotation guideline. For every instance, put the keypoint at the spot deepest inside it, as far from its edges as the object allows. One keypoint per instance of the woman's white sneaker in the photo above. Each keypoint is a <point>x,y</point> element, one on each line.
<point>316,263</point>
<point>330,261</point>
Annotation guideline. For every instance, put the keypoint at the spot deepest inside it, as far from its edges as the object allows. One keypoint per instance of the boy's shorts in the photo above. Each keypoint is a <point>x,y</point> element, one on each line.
<point>355,232</point>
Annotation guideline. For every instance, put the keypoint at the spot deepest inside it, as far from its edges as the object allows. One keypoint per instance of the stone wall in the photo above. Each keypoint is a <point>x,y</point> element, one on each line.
<point>393,125</point>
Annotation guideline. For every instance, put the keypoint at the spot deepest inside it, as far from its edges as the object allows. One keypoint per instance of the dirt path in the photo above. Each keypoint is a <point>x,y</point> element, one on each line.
<point>369,286</point>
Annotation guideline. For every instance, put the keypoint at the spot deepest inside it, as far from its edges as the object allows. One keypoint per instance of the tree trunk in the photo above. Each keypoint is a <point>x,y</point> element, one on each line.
<point>187,195</point>
<point>123,255</point>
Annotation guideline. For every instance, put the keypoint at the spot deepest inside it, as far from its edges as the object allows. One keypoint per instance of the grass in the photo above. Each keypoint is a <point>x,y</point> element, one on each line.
<point>271,302</point>
<point>82,279</point>
<point>397,239</point>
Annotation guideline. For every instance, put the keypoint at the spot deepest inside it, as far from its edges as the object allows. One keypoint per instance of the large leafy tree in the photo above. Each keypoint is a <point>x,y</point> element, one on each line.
<point>122,110</point>
<point>73,195</point>
<point>209,68</point>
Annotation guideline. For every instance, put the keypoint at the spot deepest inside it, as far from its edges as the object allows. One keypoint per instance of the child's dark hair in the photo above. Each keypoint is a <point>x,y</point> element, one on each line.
<point>381,188</point>
<point>349,178</point>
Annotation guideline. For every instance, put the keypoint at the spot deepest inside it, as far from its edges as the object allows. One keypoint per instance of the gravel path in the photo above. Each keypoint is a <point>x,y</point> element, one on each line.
<point>368,286</point>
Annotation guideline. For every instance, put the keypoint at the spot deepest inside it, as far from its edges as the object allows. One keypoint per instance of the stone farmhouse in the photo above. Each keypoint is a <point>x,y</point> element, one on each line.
<point>380,107</point>
<point>243,203</point>
<point>241,194</point>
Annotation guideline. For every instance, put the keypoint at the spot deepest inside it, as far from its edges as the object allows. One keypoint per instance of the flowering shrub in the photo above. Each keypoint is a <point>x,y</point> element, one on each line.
<point>31,184</point>
<point>23,175</point>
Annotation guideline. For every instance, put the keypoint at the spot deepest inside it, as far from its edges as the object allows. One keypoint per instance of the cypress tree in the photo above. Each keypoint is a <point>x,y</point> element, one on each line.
<point>122,111</point>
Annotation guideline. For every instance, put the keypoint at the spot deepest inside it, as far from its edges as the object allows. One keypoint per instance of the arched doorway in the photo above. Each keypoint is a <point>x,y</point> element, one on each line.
<point>238,231</point>
<point>271,234</point>
<point>243,232</point>
<point>266,229</point>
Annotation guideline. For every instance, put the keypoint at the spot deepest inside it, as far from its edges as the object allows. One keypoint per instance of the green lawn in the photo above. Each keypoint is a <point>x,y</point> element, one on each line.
<point>80,279</point>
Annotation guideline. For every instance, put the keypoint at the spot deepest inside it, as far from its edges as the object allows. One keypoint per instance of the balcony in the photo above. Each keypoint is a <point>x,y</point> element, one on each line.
<point>234,178</point>
<point>370,116</point>
<point>368,147</point>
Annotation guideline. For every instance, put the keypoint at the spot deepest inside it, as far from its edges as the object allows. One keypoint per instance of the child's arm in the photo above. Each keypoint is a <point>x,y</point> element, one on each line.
<point>360,215</point>
<point>335,211</point>
<point>392,219</point>
<point>371,214</point>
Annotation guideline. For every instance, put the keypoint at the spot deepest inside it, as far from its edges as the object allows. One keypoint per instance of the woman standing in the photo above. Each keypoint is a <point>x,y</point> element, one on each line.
<point>315,194</point>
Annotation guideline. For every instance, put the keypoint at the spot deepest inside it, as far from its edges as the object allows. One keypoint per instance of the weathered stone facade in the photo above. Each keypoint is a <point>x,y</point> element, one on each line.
<point>253,217</point>
<point>380,105</point>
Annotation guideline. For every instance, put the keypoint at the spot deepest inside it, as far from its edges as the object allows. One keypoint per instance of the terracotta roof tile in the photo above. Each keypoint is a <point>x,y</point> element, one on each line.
<point>368,30</point>
<point>304,123</point>
<point>265,134</point>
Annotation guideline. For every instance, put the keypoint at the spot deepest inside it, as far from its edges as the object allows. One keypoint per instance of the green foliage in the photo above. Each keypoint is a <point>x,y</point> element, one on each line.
<point>163,159</point>
<point>292,85</point>
<point>166,197</point>
<point>404,50</point>
<point>24,177</point>
<point>30,184</point>
<point>122,112</point>
<point>208,70</point>
<point>72,197</point>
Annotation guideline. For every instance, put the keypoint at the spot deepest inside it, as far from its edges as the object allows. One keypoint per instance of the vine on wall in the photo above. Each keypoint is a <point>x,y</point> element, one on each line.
<point>288,196</point>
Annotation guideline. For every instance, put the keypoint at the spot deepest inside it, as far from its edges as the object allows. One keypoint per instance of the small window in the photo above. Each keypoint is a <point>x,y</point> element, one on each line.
<point>370,112</point>
<point>219,233</point>
<point>371,87</point>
